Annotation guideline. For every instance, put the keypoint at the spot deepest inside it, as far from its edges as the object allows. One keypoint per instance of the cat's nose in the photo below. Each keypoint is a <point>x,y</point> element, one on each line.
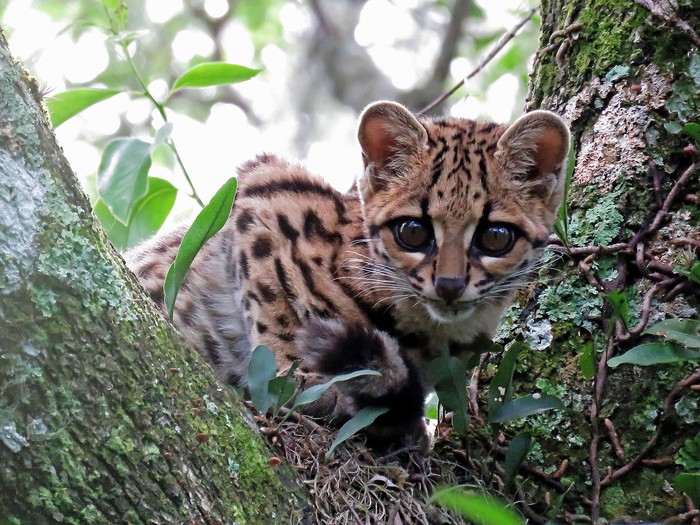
<point>449,289</point>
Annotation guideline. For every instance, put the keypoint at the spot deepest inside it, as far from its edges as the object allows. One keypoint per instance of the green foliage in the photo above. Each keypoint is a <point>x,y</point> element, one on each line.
<point>449,376</point>
<point>689,482</point>
<point>501,387</point>
<point>362,419</point>
<point>478,508</point>
<point>262,368</point>
<point>63,106</point>
<point>525,406</point>
<point>209,221</point>
<point>689,455</point>
<point>213,74</point>
<point>147,215</point>
<point>561,224</point>
<point>683,340</point>
<point>693,274</point>
<point>515,455</point>
<point>122,178</point>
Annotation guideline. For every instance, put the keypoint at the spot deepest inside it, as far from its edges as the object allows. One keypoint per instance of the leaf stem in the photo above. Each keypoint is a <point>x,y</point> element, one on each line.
<point>161,110</point>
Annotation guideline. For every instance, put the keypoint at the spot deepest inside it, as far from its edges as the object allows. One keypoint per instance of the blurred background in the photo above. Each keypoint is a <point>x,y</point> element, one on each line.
<point>322,62</point>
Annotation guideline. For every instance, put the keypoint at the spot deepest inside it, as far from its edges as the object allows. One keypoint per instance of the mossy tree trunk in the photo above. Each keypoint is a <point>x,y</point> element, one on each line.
<point>625,78</point>
<point>106,414</point>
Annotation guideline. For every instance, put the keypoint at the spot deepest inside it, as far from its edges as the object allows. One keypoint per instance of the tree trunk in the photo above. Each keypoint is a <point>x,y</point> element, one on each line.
<point>106,414</point>
<point>620,74</point>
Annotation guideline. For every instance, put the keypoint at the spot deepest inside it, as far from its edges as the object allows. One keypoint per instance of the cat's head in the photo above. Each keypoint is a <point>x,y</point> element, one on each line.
<point>458,211</point>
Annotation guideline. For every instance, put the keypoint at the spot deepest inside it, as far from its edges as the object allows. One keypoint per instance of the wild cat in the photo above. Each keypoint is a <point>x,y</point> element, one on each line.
<point>423,254</point>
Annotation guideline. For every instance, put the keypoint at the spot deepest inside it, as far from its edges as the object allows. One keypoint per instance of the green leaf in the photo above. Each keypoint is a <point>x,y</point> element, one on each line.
<point>479,509</point>
<point>213,74</point>
<point>315,392</point>
<point>689,455</point>
<point>63,106</point>
<point>262,368</point>
<point>449,376</point>
<point>683,331</point>
<point>693,129</point>
<point>620,306</point>
<point>586,361</point>
<point>147,215</point>
<point>653,354</point>
<point>515,455</point>
<point>526,406</point>
<point>362,419</point>
<point>122,177</point>
<point>501,387</point>
<point>693,274</point>
<point>284,387</point>
<point>689,482</point>
<point>209,221</point>
<point>561,224</point>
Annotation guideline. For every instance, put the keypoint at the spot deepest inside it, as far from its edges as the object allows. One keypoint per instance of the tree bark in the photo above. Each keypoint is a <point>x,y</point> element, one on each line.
<point>106,414</point>
<point>620,74</point>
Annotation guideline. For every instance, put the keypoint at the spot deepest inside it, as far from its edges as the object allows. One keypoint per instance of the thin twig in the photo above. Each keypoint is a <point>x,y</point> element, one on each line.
<point>681,385</point>
<point>499,45</point>
<point>677,187</point>
<point>614,439</point>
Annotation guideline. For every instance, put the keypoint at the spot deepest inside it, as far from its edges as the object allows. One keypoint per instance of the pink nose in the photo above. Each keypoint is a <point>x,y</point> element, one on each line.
<point>449,289</point>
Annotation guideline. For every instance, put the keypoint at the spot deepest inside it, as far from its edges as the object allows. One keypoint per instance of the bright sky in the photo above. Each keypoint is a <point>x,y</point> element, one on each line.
<point>206,147</point>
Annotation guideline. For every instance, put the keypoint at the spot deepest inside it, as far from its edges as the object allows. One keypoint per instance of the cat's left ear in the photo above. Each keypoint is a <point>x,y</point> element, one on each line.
<point>534,150</point>
<point>390,137</point>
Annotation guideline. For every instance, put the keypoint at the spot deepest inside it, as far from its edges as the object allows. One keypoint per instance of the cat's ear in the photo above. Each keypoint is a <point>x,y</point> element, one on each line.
<point>390,137</point>
<point>534,150</point>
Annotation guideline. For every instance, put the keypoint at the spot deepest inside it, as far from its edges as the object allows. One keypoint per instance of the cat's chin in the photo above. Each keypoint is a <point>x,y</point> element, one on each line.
<point>445,314</point>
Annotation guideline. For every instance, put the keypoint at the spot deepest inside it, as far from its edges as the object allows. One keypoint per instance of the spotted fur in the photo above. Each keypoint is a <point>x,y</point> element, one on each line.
<point>321,277</point>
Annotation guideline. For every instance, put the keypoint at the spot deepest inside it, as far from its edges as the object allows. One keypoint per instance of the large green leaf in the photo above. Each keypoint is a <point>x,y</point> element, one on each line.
<point>213,74</point>
<point>209,221</point>
<point>653,354</point>
<point>63,106</point>
<point>689,482</point>
<point>315,392</point>
<point>526,406</point>
<point>515,455</point>
<point>147,215</point>
<point>262,368</point>
<point>479,509</point>
<point>683,331</point>
<point>364,418</point>
<point>122,177</point>
<point>501,387</point>
<point>449,375</point>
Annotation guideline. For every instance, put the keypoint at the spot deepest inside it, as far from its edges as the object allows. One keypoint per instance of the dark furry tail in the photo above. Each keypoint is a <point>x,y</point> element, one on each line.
<point>332,347</point>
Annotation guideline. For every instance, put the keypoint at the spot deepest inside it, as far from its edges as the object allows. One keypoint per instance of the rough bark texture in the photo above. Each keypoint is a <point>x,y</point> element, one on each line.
<point>106,415</point>
<point>619,74</point>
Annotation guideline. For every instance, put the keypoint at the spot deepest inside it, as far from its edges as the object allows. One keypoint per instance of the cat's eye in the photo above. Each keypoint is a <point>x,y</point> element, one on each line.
<point>495,239</point>
<point>412,235</point>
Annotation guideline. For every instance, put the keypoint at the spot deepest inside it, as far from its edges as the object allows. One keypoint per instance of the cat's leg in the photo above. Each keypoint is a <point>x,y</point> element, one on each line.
<point>331,347</point>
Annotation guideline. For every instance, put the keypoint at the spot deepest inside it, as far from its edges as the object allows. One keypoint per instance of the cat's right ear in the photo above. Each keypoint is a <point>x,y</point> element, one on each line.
<point>390,137</point>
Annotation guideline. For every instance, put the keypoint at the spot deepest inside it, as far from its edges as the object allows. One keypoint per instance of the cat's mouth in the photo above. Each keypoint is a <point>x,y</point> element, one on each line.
<point>452,313</point>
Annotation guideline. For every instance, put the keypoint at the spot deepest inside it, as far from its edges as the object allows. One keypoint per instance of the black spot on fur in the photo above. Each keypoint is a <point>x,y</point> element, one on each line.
<point>211,347</point>
<point>299,185</point>
<point>254,297</point>
<point>314,227</point>
<point>157,295</point>
<point>243,264</point>
<point>262,247</point>
<point>244,220</point>
<point>262,328</point>
<point>267,293</point>
<point>287,229</point>
<point>286,337</point>
<point>282,278</point>
<point>283,321</point>
<point>318,261</point>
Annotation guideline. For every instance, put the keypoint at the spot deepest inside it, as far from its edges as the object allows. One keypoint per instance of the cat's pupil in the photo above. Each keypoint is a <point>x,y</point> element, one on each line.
<point>496,239</point>
<point>412,235</point>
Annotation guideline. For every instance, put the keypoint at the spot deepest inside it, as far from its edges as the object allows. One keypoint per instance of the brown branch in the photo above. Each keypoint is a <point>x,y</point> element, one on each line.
<point>677,187</point>
<point>684,383</point>
<point>484,61</point>
<point>663,9</point>
<point>614,439</point>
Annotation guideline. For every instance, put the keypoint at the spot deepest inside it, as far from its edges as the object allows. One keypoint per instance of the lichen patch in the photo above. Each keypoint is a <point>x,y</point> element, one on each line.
<point>613,148</point>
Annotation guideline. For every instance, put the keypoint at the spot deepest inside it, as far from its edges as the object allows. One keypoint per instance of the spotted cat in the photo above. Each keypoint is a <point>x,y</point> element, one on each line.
<point>423,253</point>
